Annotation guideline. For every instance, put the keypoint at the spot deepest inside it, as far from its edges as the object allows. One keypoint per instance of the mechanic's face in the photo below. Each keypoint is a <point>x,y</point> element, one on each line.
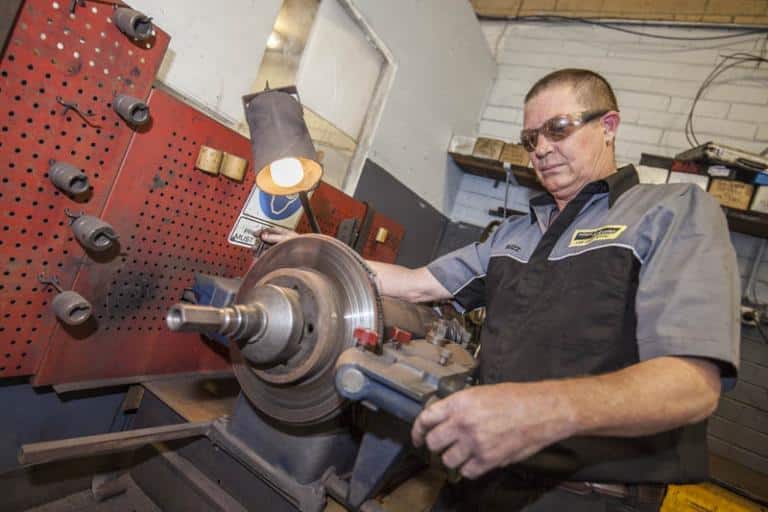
<point>586,155</point>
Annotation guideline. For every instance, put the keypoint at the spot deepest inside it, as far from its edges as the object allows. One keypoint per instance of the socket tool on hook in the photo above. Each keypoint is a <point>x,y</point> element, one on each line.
<point>68,178</point>
<point>69,306</point>
<point>134,111</point>
<point>93,233</point>
<point>133,23</point>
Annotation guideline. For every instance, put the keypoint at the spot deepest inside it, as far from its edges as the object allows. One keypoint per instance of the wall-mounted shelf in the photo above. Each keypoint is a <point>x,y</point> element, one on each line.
<point>748,222</point>
<point>494,170</point>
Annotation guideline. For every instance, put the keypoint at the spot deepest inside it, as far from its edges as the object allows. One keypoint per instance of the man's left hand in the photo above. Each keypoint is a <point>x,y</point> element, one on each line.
<point>486,427</point>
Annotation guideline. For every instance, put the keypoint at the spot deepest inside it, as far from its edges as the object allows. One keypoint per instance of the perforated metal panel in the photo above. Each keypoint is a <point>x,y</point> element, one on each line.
<point>81,58</point>
<point>173,221</point>
<point>331,206</point>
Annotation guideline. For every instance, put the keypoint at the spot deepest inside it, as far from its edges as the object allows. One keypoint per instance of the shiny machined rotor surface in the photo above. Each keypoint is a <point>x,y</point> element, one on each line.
<point>338,295</point>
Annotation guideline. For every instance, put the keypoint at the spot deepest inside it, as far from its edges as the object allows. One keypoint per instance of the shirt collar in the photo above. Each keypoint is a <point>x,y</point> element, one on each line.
<point>615,184</point>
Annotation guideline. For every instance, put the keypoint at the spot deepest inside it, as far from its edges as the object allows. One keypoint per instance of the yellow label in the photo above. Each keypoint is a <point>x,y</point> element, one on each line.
<point>584,237</point>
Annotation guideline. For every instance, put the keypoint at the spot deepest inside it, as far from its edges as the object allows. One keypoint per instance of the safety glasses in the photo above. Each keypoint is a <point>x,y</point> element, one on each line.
<point>558,128</point>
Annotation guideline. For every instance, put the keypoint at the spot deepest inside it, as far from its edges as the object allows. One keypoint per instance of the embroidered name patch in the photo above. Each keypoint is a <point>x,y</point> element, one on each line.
<point>586,236</point>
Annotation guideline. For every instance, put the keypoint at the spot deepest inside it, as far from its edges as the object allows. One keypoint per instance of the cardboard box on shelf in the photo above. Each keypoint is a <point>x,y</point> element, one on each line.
<point>490,149</point>
<point>515,154</point>
<point>731,193</point>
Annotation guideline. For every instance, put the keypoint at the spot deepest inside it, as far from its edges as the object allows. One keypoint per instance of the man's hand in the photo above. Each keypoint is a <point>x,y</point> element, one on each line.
<point>487,427</point>
<point>275,235</point>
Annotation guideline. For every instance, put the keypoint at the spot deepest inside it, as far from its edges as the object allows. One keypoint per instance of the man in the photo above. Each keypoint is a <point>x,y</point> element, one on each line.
<point>612,324</point>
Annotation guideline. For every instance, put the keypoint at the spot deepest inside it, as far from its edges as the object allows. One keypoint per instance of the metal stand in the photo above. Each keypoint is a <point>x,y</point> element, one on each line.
<point>300,465</point>
<point>308,211</point>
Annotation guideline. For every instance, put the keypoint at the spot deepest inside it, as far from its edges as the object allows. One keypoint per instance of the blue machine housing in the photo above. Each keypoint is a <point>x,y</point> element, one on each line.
<point>210,290</point>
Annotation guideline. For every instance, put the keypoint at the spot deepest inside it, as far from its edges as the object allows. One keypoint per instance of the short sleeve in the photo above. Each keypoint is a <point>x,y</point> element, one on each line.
<point>462,272</point>
<point>688,295</point>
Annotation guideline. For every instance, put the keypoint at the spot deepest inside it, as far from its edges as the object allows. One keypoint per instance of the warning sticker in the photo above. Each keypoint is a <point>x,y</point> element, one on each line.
<point>262,210</point>
<point>245,230</point>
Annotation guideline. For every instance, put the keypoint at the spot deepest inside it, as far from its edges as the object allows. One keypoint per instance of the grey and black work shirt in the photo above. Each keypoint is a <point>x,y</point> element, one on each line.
<point>625,273</point>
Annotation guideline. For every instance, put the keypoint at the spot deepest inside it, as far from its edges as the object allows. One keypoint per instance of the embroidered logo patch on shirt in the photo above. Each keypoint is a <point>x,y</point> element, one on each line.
<point>586,236</point>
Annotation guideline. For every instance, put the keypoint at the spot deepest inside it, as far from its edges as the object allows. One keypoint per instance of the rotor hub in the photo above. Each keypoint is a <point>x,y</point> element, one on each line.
<point>328,292</point>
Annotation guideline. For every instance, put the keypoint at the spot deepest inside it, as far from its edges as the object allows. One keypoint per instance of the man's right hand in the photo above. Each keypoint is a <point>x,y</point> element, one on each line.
<point>275,235</point>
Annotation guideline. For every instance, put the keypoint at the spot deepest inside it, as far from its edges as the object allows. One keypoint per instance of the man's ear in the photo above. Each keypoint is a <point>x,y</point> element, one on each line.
<point>610,123</point>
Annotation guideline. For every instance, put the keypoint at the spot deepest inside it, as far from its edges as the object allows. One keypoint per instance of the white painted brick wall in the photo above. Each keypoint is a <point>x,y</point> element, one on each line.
<point>752,113</point>
<point>655,81</point>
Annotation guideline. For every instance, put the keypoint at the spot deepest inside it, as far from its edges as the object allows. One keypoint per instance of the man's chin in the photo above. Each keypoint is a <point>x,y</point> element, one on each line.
<point>556,185</point>
<point>552,180</point>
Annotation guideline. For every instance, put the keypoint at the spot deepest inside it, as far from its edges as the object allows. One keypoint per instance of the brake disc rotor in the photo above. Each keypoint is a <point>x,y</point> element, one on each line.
<point>328,272</point>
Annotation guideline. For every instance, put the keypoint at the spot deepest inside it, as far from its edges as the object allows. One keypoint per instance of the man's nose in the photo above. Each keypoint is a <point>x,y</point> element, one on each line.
<point>543,146</point>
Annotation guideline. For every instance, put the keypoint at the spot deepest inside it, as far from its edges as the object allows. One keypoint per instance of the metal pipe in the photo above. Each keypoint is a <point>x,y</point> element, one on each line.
<point>309,213</point>
<point>100,444</point>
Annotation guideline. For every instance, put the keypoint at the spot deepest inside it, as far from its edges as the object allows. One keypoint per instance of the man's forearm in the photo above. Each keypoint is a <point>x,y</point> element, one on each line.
<point>649,397</point>
<point>412,285</point>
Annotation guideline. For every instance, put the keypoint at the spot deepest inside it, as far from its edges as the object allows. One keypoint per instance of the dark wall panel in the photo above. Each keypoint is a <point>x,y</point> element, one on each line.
<point>31,415</point>
<point>738,430</point>
<point>457,235</point>
<point>424,225</point>
<point>744,414</point>
<point>8,11</point>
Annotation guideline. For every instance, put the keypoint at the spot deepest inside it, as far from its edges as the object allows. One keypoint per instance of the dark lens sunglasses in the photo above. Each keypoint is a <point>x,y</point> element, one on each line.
<point>558,128</point>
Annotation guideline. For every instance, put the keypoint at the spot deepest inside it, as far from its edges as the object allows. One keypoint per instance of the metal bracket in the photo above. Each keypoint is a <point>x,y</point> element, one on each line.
<point>365,227</point>
<point>378,455</point>
<point>71,105</point>
<point>53,281</point>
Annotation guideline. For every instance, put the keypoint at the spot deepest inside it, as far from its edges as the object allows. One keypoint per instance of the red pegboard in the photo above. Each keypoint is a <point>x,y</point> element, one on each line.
<point>173,221</point>
<point>332,206</point>
<point>383,251</point>
<point>82,58</point>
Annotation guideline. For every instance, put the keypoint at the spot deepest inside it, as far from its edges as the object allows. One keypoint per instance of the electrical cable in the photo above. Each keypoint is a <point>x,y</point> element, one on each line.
<point>612,26</point>
<point>719,69</point>
<point>762,332</point>
<point>507,171</point>
<point>750,293</point>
